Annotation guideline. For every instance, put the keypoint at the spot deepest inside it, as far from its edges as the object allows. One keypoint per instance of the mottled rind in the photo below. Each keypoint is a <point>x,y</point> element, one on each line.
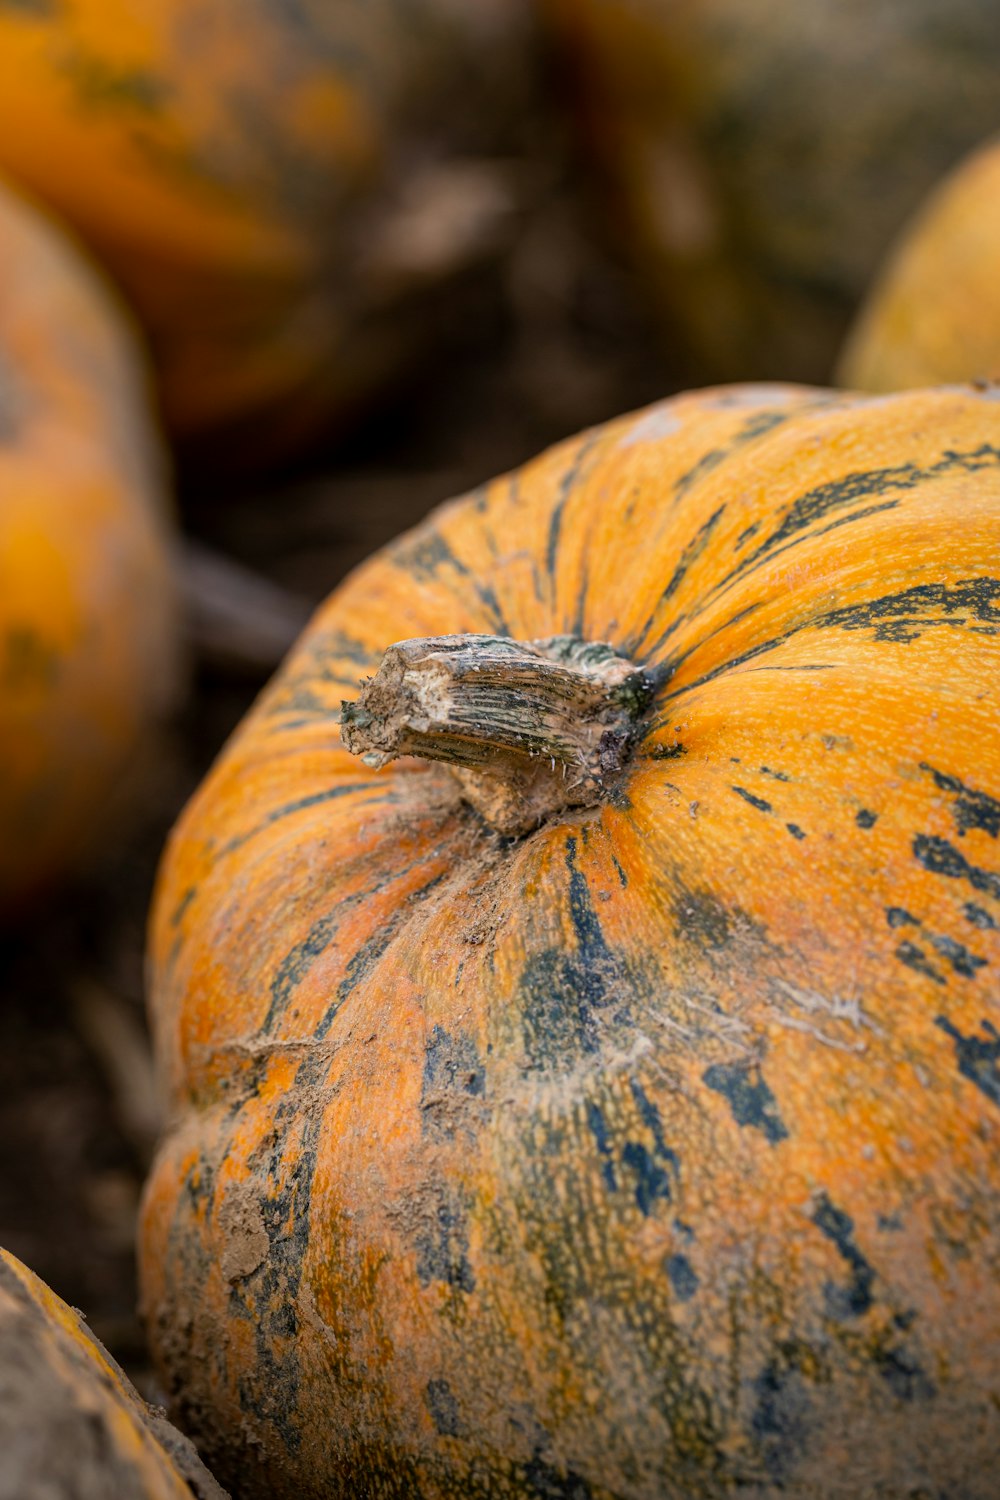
<point>651,1155</point>
<point>88,629</point>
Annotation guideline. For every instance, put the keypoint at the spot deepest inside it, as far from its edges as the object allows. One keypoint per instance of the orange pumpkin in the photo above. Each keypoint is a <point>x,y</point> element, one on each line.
<point>88,650</point>
<point>934,312</point>
<point>763,156</point>
<point>254,175</point>
<point>634,1134</point>
<point>71,1423</point>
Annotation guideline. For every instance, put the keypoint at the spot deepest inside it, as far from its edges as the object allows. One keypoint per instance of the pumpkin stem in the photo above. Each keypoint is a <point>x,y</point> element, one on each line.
<point>528,728</point>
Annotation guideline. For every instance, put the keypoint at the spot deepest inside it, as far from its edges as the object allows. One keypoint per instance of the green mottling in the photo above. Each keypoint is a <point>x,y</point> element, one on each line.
<point>36,10</point>
<point>26,661</point>
<point>97,84</point>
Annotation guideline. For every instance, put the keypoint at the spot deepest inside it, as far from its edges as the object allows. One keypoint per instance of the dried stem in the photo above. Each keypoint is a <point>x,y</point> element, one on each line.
<point>527,728</point>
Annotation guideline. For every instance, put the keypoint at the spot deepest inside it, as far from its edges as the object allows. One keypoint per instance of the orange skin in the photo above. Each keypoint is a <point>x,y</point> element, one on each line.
<point>229,165</point>
<point>122,1447</point>
<point>761,157</point>
<point>88,648</point>
<point>934,312</point>
<point>653,1153</point>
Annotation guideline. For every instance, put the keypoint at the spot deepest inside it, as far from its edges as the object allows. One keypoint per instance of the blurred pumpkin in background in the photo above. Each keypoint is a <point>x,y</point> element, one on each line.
<point>267,183</point>
<point>71,1423</point>
<point>608,1107</point>
<point>933,315</point>
<point>763,156</point>
<point>88,634</point>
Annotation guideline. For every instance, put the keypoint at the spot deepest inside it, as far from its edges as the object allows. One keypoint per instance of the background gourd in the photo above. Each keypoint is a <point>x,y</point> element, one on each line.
<point>653,1152</point>
<point>933,315</point>
<point>238,169</point>
<point>71,1424</point>
<point>763,156</point>
<point>88,648</point>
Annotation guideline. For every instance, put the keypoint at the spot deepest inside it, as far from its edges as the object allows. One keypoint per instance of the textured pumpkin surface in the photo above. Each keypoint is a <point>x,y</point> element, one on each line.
<point>765,155</point>
<point>232,166</point>
<point>654,1153</point>
<point>87,629</point>
<point>71,1423</point>
<point>934,313</point>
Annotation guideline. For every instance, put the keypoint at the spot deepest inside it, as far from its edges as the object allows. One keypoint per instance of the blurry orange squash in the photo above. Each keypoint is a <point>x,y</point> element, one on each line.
<point>238,169</point>
<point>934,312</point>
<point>87,626</point>
<point>71,1423</point>
<point>634,1135</point>
<point>764,155</point>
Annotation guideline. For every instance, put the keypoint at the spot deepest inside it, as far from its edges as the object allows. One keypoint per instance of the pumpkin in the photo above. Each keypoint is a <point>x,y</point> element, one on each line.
<point>72,1423</point>
<point>762,157</point>
<point>255,176</point>
<point>933,314</point>
<point>88,651</point>
<point>591,1087</point>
